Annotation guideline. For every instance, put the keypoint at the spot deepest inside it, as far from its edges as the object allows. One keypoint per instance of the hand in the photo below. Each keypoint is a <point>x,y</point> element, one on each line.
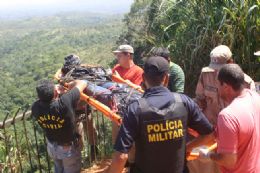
<point>117,74</point>
<point>204,154</point>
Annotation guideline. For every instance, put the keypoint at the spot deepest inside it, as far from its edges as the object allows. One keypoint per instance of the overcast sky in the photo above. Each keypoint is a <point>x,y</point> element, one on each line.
<point>9,8</point>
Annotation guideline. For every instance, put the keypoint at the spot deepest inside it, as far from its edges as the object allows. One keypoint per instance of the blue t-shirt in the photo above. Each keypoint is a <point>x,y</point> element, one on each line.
<point>159,97</point>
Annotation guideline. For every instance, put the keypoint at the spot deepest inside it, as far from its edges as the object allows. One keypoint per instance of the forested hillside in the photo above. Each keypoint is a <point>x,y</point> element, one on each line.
<point>34,49</point>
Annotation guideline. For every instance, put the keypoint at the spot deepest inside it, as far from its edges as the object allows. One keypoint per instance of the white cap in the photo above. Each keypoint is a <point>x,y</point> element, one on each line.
<point>257,53</point>
<point>124,48</point>
<point>219,56</point>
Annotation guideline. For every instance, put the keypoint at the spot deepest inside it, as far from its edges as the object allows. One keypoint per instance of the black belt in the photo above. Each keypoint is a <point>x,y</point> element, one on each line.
<point>75,142</point>
<point>67,143</point>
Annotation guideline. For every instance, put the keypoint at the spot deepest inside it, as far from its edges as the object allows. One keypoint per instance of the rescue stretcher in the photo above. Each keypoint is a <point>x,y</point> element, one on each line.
<point>117,118</point>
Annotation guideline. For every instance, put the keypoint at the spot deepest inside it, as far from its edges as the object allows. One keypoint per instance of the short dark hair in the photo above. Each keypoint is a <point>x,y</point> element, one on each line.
<point>161,51</point>
<point>155,80</point>
<point>232,75</point>
<point>45,90</point>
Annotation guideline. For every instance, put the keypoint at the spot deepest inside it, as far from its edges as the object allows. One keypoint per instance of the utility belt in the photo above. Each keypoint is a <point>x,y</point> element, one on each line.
<point>75,142</point>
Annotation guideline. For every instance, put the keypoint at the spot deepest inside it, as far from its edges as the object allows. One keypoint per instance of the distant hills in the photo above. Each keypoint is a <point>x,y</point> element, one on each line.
<point>34,49</point>
<point>17,9</point>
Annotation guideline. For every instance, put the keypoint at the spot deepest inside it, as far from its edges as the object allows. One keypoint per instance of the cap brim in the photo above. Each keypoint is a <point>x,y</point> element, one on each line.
<point>257,53</point>
<point>216,66</point>
<point>117,51</point>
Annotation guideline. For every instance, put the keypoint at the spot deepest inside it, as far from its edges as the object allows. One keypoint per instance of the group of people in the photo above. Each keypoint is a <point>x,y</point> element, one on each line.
<point>154,136</point>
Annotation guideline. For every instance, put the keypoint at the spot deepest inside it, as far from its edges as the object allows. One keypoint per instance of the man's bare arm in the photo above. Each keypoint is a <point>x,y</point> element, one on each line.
<point>118,163</point>
<point>199,141</point>
<point>80,84</point>
<point>225,160</point>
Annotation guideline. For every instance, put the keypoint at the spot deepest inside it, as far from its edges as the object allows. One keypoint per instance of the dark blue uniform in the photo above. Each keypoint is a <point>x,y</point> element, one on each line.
<point>160,139</point>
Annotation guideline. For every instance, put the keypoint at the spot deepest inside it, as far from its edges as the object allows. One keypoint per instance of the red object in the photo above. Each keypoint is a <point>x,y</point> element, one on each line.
<point>238,130</point>
<point>133,74</point>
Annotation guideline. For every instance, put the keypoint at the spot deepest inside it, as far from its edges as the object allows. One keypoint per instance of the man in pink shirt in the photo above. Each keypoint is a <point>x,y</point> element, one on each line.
<point>238,125</point>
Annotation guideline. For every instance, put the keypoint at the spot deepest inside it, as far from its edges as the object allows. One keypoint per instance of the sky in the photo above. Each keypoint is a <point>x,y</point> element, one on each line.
<point>25,8</point>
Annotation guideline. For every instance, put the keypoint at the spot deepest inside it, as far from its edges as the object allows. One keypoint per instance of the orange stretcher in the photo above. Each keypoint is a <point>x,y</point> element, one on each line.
<point>102,108</point>
<point>119,79</point>
<point>94,103</point>
<point>195,155</point>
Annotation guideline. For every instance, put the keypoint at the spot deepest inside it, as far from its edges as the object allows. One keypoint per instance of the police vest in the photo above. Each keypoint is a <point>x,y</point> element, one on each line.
<point>160,147</point>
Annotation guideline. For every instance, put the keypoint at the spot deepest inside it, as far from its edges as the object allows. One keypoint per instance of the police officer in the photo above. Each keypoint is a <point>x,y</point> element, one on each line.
<point>158,124</point>
<point>56,116</point>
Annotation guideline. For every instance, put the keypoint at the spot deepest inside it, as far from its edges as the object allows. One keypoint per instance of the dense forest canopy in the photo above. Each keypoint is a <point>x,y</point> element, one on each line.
<point>34,49</point>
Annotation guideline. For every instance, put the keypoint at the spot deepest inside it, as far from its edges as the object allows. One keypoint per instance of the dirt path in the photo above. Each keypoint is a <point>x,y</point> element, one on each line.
<point>100,167</point>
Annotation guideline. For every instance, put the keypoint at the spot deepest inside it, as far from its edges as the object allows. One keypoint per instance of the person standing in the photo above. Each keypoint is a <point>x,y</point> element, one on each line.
<point>238,125</point>
<point>176,75</point>
<point>206,91</point>
<point>56,116</point>
<point>128,70</point>
<point>126,67</point>
<point>158,124</point>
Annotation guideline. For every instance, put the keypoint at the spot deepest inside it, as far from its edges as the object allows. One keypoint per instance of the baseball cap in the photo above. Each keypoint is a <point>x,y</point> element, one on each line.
<point>156,65</point>
<point>257,53</point>
<point>219,56</point>
<point>124,48</point>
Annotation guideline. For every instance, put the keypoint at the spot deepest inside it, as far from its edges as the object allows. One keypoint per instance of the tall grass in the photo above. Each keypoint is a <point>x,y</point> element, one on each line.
<point>192,28</point>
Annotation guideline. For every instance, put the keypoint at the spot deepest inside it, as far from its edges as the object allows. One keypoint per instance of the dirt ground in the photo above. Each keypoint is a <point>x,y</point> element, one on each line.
<point>100,167</point>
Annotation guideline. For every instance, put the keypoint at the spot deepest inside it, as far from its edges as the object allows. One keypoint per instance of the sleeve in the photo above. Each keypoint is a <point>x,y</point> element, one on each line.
<point>138,79</point>
<point>252,86</point>
<point>128,130</point>
<point>71,98</point>
<point>196,119</point>
<point>200,96</point>
<point>249,83</point>
<point>227,128</point>
<point>34,110</point>
<point>177,80</point>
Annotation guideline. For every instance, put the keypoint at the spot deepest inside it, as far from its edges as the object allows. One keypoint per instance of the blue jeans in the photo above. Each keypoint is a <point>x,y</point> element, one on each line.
<point>97,90</point>
<point>67,159</point>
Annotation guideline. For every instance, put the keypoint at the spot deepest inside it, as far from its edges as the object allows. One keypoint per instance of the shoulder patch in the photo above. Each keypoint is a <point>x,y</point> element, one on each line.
<point>207,70</point>
<point>247,79</point>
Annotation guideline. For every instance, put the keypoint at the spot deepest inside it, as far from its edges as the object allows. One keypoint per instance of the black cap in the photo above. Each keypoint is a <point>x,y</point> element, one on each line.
<point>156,65</point>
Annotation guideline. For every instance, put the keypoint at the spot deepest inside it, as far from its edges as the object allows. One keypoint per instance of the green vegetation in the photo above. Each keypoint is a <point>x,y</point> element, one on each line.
<point>34,49</point>
<point>190,29</point>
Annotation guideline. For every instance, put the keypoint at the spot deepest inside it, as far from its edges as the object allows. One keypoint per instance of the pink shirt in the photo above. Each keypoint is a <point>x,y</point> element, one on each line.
<point>238,131</point>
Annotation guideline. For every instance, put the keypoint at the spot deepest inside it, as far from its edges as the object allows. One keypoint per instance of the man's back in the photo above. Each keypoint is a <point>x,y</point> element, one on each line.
<point>158,137</point>
<point>240,124</point>
<point>58,117</point>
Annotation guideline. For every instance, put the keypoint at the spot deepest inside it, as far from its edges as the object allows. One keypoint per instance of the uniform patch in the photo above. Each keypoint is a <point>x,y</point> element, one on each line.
<point>211,88</point>
<point>160,131</point>
<point>50,122</point>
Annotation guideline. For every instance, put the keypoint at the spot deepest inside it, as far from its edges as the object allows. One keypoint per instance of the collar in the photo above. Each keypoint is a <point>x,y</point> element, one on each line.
<point>155,90</point>
<point>171,64</point>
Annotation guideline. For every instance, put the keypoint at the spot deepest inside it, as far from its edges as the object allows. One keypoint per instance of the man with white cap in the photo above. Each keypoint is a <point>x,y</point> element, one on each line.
<point>208,99</point>
<point>206,92</point>
<point>126,67</point>
<point>128,70</point>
